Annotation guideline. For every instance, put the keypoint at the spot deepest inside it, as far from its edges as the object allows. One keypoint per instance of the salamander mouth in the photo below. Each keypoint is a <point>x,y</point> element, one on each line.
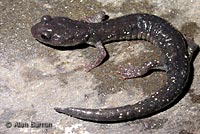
<point>33,31</point>
<point>36,33</point>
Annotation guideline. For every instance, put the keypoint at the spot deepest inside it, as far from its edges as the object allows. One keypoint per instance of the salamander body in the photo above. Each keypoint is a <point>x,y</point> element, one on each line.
<point>175,49</point>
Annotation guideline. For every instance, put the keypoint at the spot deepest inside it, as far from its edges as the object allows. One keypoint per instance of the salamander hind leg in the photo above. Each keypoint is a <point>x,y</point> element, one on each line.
<point>137,71</point>
<point>192,46</point>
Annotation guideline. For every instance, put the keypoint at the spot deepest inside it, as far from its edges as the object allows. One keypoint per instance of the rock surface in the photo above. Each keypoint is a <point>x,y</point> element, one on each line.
<point>35,78</point>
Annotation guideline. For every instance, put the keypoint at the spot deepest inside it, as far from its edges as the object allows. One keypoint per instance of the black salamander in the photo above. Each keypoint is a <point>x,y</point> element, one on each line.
<point>175,49</point>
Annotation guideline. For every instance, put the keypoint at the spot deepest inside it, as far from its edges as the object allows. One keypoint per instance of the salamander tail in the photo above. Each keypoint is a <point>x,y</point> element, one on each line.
<point>101,115</point>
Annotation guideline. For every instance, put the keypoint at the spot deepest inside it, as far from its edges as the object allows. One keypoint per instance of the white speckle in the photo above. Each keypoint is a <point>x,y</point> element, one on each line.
<point>169,44</point>
<point>158,32</point>
<point>97,113</point>
<point>157,92</point>
<point>152,96</point>
<point>139,110</point>
<point>127,113</point>
<point>183,73</point>
<point>78,110</point>
<point>145,24</point>
<point>185,56</point>
<point>157,61</point>
<point>88,112</point>
<point>120,117</point>
<point>168,39</point>
<point>109,36</point>
<point>149,63</point>
<point>167,99</point>
<point>173,78</point>
<point>167,54</point>
<point>49,30</point>
<point>167,89</point>
<point>156,99</point>
<point>57,36</point>
<point>150,26</point>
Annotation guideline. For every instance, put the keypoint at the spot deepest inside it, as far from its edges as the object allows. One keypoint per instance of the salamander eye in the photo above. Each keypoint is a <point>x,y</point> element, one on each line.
<point>45,35</point>
<point>46,18</point>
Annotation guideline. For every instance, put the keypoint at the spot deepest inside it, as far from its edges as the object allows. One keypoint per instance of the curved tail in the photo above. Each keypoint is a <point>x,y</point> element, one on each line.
<point>148,106</point>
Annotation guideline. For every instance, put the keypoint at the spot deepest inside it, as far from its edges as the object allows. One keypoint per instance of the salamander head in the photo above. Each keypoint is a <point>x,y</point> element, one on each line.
<point>60,31</point>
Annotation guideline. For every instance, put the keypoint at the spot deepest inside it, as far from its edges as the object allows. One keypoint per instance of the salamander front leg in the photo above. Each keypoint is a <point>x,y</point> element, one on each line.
<point>101,54</point>
<point>132,72</point>
<point>98,17</point>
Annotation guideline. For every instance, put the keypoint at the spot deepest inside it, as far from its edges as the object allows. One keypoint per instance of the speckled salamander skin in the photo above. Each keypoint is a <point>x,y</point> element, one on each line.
<point>176,55</point>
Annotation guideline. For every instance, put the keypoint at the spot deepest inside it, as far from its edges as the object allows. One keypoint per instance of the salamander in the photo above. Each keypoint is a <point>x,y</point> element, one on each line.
<point>176,52</point>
